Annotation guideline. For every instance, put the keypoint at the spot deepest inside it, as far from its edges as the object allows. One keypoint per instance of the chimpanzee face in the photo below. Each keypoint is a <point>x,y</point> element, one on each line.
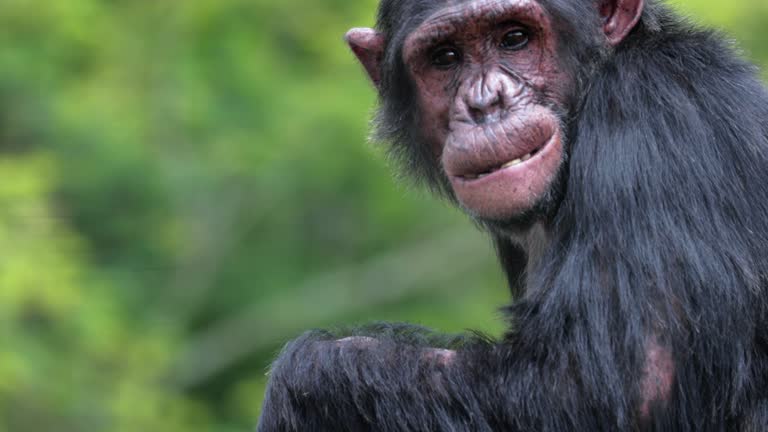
<point>491,98</point>
<point>488,89</point>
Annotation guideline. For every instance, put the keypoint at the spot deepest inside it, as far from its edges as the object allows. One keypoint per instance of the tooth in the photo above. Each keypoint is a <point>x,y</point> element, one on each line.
<point>469,176</point>
<point>512,163</point>
<point>526,157</point>
<point>479,176</point>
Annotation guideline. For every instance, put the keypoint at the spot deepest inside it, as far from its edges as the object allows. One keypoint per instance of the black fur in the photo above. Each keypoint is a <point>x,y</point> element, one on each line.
<point>660,229</point>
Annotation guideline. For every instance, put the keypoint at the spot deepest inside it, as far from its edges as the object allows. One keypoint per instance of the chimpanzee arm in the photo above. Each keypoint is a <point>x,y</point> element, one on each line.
<point>395,380</point>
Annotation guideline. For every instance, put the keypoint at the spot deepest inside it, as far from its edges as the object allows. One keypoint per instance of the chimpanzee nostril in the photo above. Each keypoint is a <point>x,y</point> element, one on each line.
<point>487,97</point>
<point>483,99</point>
<point>477,115</point>
<point>485,110</point>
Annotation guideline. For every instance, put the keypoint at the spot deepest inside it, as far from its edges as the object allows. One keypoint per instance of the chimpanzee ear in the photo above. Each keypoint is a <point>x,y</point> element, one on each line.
<point>368,46</point>
<point>619,18</point>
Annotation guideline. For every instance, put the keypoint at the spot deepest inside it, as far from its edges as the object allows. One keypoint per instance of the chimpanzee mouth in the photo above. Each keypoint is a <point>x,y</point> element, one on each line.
<point>502,155</point>
<point>512,163</point>
<point>506,177</point>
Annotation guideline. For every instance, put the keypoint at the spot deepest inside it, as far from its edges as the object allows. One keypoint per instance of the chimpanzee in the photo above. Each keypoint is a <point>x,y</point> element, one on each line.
<point>618,157</point>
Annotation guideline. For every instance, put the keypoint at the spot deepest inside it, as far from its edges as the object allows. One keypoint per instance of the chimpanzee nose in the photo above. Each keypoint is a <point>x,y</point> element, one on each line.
<point>485,110</point>
<point>485,99</point>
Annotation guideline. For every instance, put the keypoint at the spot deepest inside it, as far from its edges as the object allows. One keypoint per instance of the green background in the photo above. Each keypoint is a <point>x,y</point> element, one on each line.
<point>186,185</point>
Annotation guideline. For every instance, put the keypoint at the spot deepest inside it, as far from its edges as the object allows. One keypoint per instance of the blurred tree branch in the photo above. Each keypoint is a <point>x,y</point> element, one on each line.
<point>383,279</point>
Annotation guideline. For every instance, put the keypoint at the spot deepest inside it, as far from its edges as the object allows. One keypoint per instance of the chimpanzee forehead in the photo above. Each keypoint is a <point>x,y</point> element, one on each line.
<point>480,8</point>
<point>461,15</point>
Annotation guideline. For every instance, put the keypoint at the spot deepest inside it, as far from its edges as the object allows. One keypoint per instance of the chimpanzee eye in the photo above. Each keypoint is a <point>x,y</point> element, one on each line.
<point>446,57</point>
<point>514,40</point>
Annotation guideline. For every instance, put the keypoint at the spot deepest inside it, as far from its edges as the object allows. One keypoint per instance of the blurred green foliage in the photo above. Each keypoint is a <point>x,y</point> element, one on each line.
<point>186,185</point>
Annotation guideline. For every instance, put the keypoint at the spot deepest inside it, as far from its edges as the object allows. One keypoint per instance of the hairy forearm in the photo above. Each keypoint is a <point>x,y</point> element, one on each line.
<point>401,378</point>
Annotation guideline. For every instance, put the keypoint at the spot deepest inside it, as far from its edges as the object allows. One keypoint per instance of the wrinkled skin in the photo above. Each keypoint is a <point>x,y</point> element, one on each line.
<point>493,104</point>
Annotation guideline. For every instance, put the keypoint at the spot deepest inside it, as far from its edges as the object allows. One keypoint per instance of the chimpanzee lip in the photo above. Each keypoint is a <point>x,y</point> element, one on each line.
<point>512,164</point>
<point>506,165</point>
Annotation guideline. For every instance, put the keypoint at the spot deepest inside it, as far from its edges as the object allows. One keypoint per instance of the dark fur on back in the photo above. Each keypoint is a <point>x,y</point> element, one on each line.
<point>663,226</point>
<point>661,231</point>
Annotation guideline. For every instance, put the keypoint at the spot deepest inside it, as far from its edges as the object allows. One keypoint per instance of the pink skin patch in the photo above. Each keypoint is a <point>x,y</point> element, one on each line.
<point>357,341</point>
<point>658,376</point>
<point>442,357</point>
